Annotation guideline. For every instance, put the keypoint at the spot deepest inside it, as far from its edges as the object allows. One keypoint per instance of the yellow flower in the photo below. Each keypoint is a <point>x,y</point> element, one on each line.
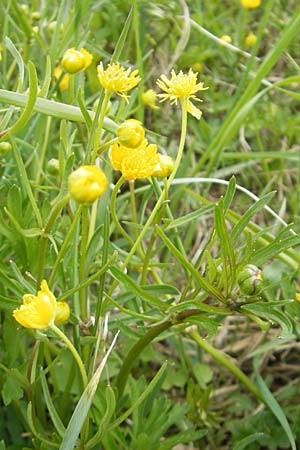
<point>64,82</point>
<point>131,133</point>
<point>226,38</point>
<point>134,163</point>
<point>251,39</point>
<point>164,167</point>
<point>41,310</point>
<point>117,79</point>
<point>87,183</point>
<point>149,98</point>
<point>250,3</point>
<point>75,61</point>
<point>1,48</point>
<point>183,87</point>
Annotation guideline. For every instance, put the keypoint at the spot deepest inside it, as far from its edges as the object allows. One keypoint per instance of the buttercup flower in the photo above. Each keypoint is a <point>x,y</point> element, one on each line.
<point>165,166</point>
<point>251,39</point>
<point>149,98</point>
<point>117,79</point>
<point>41,310</point>
<point>64,82</point>
<point>131,133</point>
<point>75,61</point>
<point>87,183</point>
<point>183,87</point>
<point>249,4</point>
<point>134,163</point>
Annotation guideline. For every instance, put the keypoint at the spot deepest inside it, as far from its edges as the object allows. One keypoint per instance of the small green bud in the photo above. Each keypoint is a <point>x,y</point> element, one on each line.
<point>5,147</point>
<point>53,166</point>
<point>250,279</point>
<point>131,133</point>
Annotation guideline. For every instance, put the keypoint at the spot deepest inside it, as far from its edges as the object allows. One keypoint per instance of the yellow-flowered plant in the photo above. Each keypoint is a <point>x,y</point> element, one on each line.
<point>116,78</point>
<point>249,4</point>
<point>164,167</point>
<point>64,82</point>
<point>75,61</point>
<point>41,310</point>
<point>226,38</point>
<point>131,133</point>
<point>134,163</point>
<point>87,183</point>
<point>149,98</point>
<point>251,39</point>
<point>182,87</point>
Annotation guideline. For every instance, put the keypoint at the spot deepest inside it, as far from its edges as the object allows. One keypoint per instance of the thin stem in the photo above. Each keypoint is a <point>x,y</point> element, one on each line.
<point>169,182</point>
<point>64,246</point>
<point>82,260</point>
<point>74,352</point>
<point>114,210</point>
<point>133,206</point>
<point>26,183</point>
<point>226,362</point>
<point>103,110</point>
<point>44,237</point>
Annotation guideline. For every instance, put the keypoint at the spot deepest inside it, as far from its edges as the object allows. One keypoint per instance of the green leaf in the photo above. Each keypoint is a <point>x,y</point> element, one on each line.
<point>248,440</point>
<point>83,406</point>
<point>18,58</point>
<point>243,222</point>
<point>190,268</point>
<point>11,391</point>
<point>274,406</point>
<point>270,313</point>
<point>191,217</point>
<point>133,287</point>
<point>59,426</point>
<point>274,249</point>
<point>229,193</point>
<point>161,289</point>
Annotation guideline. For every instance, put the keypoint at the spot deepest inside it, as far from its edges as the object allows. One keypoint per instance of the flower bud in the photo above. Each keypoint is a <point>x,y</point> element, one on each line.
<point>53,166</point>
<point>36,15</point>
<point>62,312</point>
<point>249,4</point>
<point>251,39</point>
<point>226,38</point>
<point>131,133</point>
<point>64,82</point>
<point>165,166</point>
<point>5,147</point>
<point>87,183</point>
<point>72,61</point>
<point>250,279</point>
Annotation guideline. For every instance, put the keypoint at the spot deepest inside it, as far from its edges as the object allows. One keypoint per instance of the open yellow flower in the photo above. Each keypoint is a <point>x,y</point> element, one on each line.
<point>117,79</point>
<point>41,310</point>
<point>134,163</point>
<point>182,87</point>
<point>64,82</point>
<point>249,4</point>
<point>149,98</point>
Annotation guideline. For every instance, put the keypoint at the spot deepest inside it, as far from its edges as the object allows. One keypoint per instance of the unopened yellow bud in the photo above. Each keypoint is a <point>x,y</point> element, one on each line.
<point>249,4</point>
<point>131,133</point>
<point>5,147</point>
<point>52,25</point>
<point>62,312</point>
<point>251,39</point>
<point>149,98</point>
<point>87,183</point>
<point>74,61</point>
<point>35,29</point>
<point>297,296</point>
<point>165,166</point>
<point>226,38</point>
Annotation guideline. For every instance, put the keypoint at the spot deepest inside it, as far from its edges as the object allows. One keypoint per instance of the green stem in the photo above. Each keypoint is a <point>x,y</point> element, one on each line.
<point>82,260</point>
<point>133,206</point>
<point>26,183</point>
<point>168,184</point>
<point>226,362</point>
<point>114,211</point>
<point>64,246</point>
<point>44,237</point>
<point>74,352</point>
<point>52,108</point>
<point>103,110</point>
<point>137,348</point>
<point>71,89</point>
